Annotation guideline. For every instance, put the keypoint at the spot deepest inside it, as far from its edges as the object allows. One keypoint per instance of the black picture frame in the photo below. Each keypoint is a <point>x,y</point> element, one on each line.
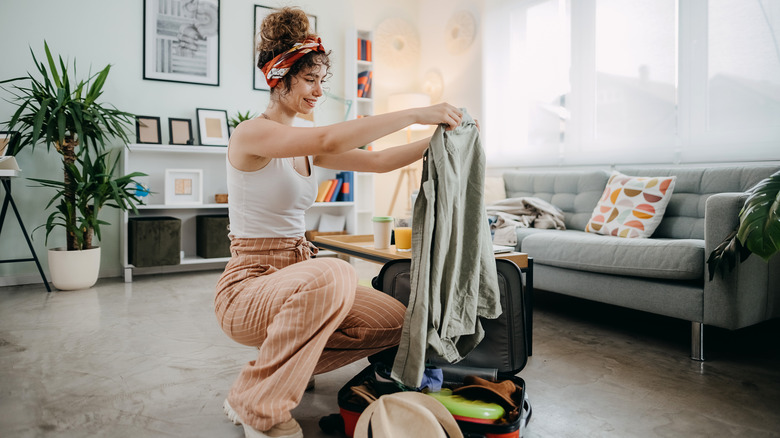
<point>9,143</point>
<point>182,44</point>
<point>212,127</point>
<point>147,130</point>
<point>258,79</point>
<point>176,133</point>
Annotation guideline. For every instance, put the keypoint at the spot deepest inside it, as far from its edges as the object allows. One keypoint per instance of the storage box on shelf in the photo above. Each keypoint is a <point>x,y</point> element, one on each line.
<point>154,241</point>
<point>212,239</point>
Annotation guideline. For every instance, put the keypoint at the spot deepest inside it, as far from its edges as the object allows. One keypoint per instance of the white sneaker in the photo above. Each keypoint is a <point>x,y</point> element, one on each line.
<point>288,429</point>
<point>231,414</point>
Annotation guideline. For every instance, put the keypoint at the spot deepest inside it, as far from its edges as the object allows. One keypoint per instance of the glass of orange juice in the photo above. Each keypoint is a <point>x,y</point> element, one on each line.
<point>403,234</point>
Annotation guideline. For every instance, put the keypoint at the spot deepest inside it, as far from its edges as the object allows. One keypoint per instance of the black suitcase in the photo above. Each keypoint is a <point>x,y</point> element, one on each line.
<point>507,338</point>
<point>500,356</point>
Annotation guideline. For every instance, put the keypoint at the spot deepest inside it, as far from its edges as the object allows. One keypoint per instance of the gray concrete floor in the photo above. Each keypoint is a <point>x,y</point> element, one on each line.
<point>147,359</point>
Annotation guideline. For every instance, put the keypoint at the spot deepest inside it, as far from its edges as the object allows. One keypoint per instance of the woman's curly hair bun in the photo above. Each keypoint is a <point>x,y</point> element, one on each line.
<point>280,31</point>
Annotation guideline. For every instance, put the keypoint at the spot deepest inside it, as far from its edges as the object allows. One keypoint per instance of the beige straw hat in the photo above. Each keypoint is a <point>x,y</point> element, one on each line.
<point>407,414</point>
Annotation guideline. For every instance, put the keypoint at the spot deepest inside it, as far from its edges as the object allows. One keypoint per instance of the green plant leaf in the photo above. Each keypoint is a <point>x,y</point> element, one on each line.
<point>52,67</point>
<point>38,121</point>
<point>759,228</point>
<point>725,255</point>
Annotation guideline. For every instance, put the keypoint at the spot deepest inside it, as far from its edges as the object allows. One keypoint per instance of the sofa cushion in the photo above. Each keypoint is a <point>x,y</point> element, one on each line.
<point>631,206</point>
<point>678,259</point>
<point>522,233</point>
<point>494,189</point>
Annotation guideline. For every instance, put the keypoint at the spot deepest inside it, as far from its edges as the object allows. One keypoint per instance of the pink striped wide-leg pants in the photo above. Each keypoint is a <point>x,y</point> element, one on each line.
<point>305,316</point>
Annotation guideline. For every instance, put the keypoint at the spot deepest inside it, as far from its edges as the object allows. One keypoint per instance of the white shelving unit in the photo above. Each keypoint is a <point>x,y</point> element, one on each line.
<point>361,107</point>
<point>153,160</point>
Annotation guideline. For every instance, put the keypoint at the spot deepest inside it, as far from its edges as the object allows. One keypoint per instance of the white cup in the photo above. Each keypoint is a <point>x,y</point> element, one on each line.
<point>383,228</point>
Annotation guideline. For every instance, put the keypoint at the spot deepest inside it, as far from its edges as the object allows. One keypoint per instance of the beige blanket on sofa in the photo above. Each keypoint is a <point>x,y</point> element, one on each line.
<point>526,212</point>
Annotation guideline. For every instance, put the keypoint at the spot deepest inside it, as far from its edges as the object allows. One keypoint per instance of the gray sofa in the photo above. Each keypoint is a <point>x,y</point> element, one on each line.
<point>665,274</point>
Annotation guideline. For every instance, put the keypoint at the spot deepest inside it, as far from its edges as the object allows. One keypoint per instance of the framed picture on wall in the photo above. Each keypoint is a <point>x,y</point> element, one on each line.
<point>181,41</point>
<point>212,127</point>
<point>260,13</point>
<point>147,130</point>
<point>183,186</point>
<point>180,131</point>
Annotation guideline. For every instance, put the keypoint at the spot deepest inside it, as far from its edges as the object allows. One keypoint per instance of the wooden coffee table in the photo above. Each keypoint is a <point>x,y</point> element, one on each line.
<point>362,246</point>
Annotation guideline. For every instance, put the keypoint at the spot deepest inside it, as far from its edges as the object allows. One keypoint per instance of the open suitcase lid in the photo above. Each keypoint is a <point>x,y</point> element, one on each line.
<point>505,346</point>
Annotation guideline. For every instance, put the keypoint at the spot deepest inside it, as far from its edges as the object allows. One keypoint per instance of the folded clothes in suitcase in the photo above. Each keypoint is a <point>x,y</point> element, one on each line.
<point>498,358</point>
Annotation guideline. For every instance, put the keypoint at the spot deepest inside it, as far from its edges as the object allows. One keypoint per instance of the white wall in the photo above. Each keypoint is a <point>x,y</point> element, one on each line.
<point>461,73</point>
<point>100,32</point>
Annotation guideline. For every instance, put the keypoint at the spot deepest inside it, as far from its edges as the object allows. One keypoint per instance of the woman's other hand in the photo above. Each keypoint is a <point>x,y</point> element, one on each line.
<point>441,113</point>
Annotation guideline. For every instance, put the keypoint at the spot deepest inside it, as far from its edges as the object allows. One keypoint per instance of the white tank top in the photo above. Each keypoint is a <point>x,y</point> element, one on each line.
<point>270,202</point>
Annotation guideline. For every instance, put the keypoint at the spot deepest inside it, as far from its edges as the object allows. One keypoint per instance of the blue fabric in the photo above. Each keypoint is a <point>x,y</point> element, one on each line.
<point>432,379</point>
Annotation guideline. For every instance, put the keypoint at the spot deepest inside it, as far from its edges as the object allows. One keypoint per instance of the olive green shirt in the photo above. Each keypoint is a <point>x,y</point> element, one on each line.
<point>453,269</point>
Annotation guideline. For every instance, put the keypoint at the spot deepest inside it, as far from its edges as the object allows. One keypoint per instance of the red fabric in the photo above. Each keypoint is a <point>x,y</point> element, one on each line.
<point>276,68</point>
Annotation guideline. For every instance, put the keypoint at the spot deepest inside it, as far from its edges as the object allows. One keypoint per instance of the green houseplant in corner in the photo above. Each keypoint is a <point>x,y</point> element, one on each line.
<point>56,110</point>
<point>758,230</point>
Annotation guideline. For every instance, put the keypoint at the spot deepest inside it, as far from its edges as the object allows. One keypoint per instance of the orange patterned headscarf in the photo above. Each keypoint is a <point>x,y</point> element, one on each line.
<point>276,68</point>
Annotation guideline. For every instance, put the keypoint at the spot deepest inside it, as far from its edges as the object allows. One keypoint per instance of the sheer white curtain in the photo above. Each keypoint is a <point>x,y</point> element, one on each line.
<point>631,81</point>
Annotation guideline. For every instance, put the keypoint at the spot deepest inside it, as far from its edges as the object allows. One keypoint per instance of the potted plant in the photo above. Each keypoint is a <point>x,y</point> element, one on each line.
<point>56,110</point>
<point>758,230</point>
<point>239,117</point>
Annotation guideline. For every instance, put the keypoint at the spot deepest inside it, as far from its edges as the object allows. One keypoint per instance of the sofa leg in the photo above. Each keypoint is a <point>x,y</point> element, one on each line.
<point>697,341</point>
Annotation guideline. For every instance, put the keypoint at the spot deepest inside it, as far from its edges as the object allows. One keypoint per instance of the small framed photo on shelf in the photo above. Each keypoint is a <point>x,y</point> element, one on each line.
<point>181,41</point>
<point>180,131</point>
<point>212,127</point>
<point>8,140</point>
<point>183,186</point>
<point>147,130</point>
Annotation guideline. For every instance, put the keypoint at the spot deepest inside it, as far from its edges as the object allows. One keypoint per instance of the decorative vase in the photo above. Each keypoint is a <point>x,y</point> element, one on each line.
<point>72,270</point>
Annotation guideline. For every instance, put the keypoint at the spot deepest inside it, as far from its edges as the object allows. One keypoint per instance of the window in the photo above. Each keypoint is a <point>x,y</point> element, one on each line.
<point>629,81</point>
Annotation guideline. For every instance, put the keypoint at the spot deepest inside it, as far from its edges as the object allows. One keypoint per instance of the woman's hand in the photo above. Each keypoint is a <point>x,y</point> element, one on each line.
<point>442,113</point>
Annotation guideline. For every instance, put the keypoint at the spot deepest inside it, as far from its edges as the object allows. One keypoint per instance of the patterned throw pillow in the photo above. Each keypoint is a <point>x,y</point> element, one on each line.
<point>631,206</point>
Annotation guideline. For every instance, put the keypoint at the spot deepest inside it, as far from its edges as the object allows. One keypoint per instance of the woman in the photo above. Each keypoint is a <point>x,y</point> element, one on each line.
<point>306,316</point>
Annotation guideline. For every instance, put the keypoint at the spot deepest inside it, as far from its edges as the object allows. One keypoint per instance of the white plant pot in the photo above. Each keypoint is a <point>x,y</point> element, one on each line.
<point>72,270</point>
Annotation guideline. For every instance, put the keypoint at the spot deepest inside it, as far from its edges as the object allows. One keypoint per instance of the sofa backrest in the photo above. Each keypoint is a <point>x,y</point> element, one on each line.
<point>576,193</point>
<point>684,216</point>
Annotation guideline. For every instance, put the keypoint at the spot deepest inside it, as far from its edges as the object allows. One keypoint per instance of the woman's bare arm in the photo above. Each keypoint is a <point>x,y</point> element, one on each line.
<point>268,139</point>
<point>374,161</point>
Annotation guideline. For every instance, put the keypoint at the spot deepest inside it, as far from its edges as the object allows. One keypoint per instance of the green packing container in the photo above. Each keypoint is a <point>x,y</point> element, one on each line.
<point>212,236</point>
<point>154,241</point>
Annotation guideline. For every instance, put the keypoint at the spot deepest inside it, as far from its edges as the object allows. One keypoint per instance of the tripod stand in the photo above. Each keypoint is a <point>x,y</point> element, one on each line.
<point>410,174</point>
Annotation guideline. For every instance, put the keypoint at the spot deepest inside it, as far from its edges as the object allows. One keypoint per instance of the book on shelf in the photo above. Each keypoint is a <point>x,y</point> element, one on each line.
<point>331,189</point>
<point>336,189</point>
<point>364,49</point>
<point>349,194</point>
<point>362,80</point>
<point>322,190</point>
<point>367,88</point>
<point>347,186</point>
